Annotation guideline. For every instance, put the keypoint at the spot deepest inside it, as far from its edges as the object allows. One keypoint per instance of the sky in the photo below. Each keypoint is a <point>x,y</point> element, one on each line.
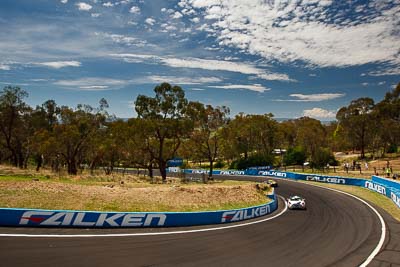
<point>290,58</point>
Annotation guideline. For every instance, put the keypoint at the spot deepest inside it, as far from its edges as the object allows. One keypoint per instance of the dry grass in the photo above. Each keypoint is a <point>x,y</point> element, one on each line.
<point>117,193</point>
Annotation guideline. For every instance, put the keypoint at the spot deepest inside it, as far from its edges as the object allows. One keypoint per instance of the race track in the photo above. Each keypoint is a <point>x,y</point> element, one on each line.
<point>335,230</point>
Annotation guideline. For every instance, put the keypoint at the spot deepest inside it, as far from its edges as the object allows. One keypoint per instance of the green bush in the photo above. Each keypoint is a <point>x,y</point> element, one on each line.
<point>295,156</point>
<point>392,148</point>
<point>219,164</point>
<point>322,157</point>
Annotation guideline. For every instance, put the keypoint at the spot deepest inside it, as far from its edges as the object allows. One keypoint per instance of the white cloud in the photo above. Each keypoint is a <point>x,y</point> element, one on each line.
<point>4,67</point>
<point>150,21</point>
<point>59,64</point>
<point>92,83</point>
<point>254,87</point>
<point>168,27</point>
<point>319,113</point>
<point>135,58</point>
<point>177,15</point>
<point>382,83</point>
<point>122,39</point>
<point>94,87</point>
<point>316,97</point>
<point>64,1</point>
<point>123,2</point>
<point>134,10</point>
<point>300,31</point>
<point>83,6</point>
<point>206,64</point>
<point>95,15</point>
<point>184,80</point>
<point>39,80</point>
<point>108,4</point>
<point>386,71</point>
<point>365,84</point>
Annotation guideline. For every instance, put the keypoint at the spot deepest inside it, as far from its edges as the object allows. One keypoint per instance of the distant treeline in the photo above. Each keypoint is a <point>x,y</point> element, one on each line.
<point>168,125</point>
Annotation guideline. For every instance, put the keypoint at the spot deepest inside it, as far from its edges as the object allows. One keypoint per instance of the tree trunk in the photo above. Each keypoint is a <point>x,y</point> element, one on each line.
<point>72,170</point>
<point>150,169</point>
<point>210,175</point>
<point>39,162</point>
<point>21,160</point>
<point>163,170</point>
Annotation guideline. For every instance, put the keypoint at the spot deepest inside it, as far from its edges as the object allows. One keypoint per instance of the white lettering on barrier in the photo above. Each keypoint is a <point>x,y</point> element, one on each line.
<point>332,180</point>
<point>272,173</point>
<point>234,216</point>
<point>78,219</point>
<point>375,187</point>
<point>56,219</point>
<point>201,171</point>
<point>395,199</point>
<point>231,173</point>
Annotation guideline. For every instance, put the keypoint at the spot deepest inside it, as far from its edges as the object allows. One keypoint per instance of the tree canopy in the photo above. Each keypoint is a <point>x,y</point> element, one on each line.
<point>168,125</point>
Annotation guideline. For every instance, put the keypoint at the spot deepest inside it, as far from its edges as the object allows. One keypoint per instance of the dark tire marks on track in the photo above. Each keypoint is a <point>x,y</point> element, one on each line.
<point>335,230</point>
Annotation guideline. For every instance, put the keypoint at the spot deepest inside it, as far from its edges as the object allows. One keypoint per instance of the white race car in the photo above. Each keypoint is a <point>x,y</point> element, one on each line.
<point>296,202</point>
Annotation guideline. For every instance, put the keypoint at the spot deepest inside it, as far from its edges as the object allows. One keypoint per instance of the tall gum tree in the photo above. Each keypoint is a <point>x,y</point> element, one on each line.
<point>206,136</point>
<point>13,114</point>
<point>356,120</point>
<point>73,134</point>
<point>165,115</point>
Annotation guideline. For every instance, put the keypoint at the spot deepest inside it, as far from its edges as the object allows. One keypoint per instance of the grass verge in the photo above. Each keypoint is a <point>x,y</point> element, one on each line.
<point>371,196</point>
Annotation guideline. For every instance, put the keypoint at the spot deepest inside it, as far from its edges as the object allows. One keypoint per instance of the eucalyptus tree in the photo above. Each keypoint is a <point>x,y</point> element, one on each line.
<point>165,117</point>
<point>206,137</point>
<point>387,116</point>
<point>357,121</point>
<point>310,135</point>
<point>239,137</point>
<point>14,113</point>
<point>73,135</point>
<point>141,148</point>
<point>110,145</point>
<point>287,133</point>
<point>252,136</point>
<point>41,123</point>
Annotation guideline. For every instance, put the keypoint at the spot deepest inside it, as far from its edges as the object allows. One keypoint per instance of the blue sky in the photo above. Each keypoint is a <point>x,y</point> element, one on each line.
<point>290,58</point>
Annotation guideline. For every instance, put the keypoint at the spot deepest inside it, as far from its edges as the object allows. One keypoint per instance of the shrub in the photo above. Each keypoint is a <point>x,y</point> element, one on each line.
<point>392,148</point>
<point>322,157</point>
<point>295,156</point>
<point>219,164</point>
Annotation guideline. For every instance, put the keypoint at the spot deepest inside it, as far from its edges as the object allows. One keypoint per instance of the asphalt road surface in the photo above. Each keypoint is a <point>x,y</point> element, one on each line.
<point>335,230</point>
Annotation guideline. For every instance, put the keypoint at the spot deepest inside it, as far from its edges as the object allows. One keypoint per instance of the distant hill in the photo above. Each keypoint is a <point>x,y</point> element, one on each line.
<point>323,121</point>
<point>277,119</point>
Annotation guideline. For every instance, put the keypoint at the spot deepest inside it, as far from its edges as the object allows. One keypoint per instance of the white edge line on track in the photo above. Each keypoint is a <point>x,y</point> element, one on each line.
<point>383,225</point>
<point>151,234</point>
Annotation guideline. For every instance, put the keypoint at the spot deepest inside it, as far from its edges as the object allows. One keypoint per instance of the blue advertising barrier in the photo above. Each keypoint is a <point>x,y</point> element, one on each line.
<point>392,188</point>
<point>395,197</point>
<point>386,182</point>
<point>91,219</point>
